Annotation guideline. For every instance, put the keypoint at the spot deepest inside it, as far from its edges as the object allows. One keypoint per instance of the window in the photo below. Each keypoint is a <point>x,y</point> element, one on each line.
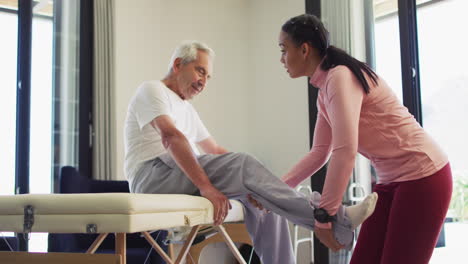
<point>444,90</point>
<point>444,87</point>
<point>9,22</point>
<point>53,105</point>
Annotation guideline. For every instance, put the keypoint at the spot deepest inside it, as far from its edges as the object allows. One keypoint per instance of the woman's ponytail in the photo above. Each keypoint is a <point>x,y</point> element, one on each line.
<point>335,56</point>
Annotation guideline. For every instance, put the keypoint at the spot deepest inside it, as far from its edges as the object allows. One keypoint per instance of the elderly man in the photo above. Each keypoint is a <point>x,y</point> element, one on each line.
<point>161,132</point>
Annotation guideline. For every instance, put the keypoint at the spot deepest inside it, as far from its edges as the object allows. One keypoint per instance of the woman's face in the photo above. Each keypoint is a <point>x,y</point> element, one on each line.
<point>293,57</point>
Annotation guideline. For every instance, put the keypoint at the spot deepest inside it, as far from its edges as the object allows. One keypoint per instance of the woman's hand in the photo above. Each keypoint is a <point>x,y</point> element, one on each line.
<point>327,238</point>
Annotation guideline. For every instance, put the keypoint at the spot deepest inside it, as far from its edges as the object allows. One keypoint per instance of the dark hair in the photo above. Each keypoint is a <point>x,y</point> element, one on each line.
<point>309,29</point>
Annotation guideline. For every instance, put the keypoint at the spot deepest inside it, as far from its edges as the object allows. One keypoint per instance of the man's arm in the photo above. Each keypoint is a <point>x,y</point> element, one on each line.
<point>179,148</point>
<point>210,146</point>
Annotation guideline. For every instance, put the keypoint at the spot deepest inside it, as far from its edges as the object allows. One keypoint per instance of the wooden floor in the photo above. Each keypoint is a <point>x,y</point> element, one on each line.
<point>57,258</point>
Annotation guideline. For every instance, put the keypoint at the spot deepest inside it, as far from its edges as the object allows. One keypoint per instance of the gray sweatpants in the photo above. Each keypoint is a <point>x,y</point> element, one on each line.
<point>239,174</point>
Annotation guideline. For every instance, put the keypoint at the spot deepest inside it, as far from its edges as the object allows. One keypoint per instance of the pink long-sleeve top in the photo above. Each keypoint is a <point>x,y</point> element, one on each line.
<point>376,125</point>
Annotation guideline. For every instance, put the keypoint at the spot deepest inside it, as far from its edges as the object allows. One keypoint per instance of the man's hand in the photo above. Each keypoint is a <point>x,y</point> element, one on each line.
<point>326,237</point>
<point>220,203</point>
<point>179,147</point>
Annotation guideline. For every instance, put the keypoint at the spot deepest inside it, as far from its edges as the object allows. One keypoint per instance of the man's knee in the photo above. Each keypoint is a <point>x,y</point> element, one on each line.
<point>246,157</point>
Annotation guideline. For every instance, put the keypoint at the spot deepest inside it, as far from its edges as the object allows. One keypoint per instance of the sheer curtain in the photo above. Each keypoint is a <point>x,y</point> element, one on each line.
<point>345,20</point>
<point>336,16</point>
<point>103,150</point>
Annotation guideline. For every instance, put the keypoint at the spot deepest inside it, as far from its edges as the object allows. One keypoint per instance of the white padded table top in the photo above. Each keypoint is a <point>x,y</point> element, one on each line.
<point>108,212</point>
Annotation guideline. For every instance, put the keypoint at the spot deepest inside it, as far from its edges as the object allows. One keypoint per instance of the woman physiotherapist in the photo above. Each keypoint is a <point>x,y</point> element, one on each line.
<point>358,112</point>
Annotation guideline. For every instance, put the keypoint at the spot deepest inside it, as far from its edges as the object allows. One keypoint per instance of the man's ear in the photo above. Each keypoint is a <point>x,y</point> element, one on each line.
<point>176,65</point>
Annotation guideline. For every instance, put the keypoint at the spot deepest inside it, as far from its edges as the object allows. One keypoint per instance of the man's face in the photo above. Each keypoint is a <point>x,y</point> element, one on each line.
<point>193,77</point>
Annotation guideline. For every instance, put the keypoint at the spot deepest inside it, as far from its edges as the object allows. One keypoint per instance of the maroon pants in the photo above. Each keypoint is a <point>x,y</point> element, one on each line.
<point>406,222</point>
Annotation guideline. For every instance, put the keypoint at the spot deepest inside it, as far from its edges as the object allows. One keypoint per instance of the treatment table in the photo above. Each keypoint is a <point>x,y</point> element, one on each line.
<point>104,213</point>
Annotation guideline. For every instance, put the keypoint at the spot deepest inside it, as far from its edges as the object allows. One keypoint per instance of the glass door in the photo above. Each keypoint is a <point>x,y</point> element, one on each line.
<point>8,62</point>
<point>387,44</point>
<point>40,149</point>
<point>47,110</point>
<point>54,97</point>
<point>40,171</point>
<point>444,89</point>
<point>443,84</point>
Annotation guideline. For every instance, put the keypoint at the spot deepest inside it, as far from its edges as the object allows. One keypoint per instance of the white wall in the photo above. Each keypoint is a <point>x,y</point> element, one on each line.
<point>251,104</point>
<point>147,31</point>
<point>279,122</point>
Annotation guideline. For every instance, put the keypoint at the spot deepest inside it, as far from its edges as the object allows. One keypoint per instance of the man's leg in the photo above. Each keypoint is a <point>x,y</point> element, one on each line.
<point>270,235</point>
<point>341,231</point>
<point>269,232</point>
<point>236,175</point>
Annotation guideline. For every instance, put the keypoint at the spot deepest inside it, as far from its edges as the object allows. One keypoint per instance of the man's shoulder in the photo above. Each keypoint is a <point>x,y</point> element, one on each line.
<point>150,85</point>
<point>151,89</point>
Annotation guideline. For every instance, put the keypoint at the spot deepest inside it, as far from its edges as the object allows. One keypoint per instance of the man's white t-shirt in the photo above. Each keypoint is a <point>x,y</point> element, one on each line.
<point>142,141</point>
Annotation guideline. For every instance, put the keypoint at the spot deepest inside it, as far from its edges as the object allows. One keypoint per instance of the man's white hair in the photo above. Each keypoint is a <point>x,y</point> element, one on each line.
<point>187,51</point>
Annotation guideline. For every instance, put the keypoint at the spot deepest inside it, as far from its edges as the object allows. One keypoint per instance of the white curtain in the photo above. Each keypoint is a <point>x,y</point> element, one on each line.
<point>336,18</point>
<point>103,149</point>
<point>344,19</point>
